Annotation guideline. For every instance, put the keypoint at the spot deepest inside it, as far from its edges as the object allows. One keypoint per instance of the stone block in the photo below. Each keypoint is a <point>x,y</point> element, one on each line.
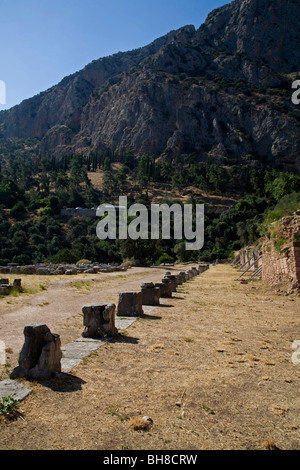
<point>190,273</point>
<point>173,279</point>
<point>43,271</point>
<point>17,284</point>
<point>5,290</point>
<point>99,320</point>
<point>130,304</point>
<point>12,387</point>
<point>166,288</point>
<point>150,294</point>
<point>5,269</point>
<point>181,277</point>
<point>40,355</point>
<point>29,269</point>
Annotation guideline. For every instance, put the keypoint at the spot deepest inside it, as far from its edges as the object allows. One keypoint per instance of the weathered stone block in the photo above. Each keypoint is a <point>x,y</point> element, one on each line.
<point>150,294</point>
<point>29,269</point>
<point>130,304</point>
<point>5,290</point>
<point>43,271</point>
<point>17,284</point>
<point>173,279</point>
<point>4,269</point>
<point>40,355</point>
<point>99,320</point>
<point>203,267</point>
<point>181,277</point>
<point>159,286</point>
<point>166,288</point>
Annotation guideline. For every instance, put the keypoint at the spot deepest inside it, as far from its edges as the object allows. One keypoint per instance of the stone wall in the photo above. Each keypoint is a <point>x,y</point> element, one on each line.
<point>48,269</point>
<point>282,267</point>
<point>281,253</point>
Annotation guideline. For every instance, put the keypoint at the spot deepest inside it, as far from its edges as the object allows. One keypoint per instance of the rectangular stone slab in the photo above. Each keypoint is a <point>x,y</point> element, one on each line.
<point>9,387</point>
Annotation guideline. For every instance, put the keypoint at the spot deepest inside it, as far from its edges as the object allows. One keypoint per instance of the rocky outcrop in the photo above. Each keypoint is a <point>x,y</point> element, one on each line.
<point>260,29</point>
<point>222,91</point>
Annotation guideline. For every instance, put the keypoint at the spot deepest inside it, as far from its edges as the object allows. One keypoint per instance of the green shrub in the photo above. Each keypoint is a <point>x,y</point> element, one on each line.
<point>9,407</point>
<point>65,255</point>
<point>165,258</point>
<point>278,244</point>
<point>286,206</point>
<point>18,210</point>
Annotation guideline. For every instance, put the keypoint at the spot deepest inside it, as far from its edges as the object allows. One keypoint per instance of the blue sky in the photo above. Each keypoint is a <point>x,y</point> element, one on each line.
<point>42,41</point>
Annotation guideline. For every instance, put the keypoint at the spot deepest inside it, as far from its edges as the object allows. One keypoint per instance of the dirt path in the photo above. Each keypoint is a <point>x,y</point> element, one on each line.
<point>221,348</point>
<point>60,303</point>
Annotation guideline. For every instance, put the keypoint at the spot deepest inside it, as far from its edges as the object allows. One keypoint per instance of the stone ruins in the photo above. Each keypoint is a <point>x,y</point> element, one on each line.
<point>150,293</point>
<point>277,261</point>
<point>281,259</point>
<point>165,288</point>
<point>54,269</point>
<point>41,355</point>
<point>130,304</point>
<point>6,288</point>
<point>99,321</point>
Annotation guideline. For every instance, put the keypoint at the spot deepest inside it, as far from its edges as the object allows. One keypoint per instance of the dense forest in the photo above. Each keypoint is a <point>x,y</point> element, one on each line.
<point>34,189</point>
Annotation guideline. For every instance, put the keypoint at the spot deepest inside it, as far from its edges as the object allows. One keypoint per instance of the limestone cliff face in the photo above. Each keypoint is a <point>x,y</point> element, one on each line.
<point>223,91</point>
<point>261,29</point>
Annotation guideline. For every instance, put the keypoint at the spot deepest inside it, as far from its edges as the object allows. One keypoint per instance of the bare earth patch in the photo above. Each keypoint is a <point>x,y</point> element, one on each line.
<point>212,368</point>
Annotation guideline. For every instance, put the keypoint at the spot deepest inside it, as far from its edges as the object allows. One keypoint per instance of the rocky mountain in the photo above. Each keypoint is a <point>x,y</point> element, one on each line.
<point>222,91</point>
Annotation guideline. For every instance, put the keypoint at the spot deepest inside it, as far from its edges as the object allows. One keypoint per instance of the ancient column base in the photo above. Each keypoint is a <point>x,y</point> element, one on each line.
<point>40,355</point>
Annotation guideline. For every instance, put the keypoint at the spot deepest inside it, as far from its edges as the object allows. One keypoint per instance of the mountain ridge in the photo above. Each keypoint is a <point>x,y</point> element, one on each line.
<point>221,91</point>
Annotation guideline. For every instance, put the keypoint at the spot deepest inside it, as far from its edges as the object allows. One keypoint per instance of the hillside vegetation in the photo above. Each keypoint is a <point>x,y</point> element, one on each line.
<point>198,116</point>
<point>239,203</point>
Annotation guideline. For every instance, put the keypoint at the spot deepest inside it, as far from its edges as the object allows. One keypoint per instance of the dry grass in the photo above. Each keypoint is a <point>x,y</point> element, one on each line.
<point>168,368</point>
<point>269,444</point>
<point>140,424</point>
